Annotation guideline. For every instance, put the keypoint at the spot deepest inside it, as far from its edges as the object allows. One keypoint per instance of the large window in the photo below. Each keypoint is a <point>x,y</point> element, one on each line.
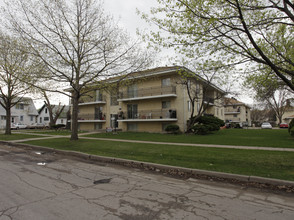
<point>132,91</point>
<point>19,106</point>
<point>46,118</point>
<point>165,82</point>
<point>21,118</point>
<point>132,111</point>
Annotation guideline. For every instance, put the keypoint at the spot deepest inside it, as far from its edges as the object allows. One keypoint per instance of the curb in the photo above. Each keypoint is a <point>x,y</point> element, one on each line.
<point>172,170</point>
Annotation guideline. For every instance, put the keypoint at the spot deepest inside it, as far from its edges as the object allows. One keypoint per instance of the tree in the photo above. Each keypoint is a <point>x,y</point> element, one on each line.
<point>15,69</point>
<point>270,90</point>
<point>234,32</point>
<point>54,110</point>
<point>78,44</point>
<point>200,93</point>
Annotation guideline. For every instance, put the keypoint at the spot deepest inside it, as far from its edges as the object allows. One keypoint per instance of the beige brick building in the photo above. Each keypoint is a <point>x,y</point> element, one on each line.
<point>237,112</point>
<point>146,101</point>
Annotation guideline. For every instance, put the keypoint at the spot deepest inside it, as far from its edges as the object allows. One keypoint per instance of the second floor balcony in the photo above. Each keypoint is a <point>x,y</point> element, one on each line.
<point>100,117</point>
<point>148,93</point>
<point>148,115</point>
<point>88,100</point>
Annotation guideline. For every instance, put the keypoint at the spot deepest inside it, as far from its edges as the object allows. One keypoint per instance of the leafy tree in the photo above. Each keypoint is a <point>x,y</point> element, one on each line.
<point>16,67</point>
<point>233,32</point>
<point>77,42</point>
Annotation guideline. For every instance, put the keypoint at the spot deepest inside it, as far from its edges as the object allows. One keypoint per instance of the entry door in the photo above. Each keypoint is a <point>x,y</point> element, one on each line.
<point>114,122</point>
<point>132,111</point>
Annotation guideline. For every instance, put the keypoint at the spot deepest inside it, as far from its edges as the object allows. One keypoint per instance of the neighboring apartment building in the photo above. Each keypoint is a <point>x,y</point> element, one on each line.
<point>149,101</point>
<point>24,112</point>
<point>44,119</point>
<point>237,112</point>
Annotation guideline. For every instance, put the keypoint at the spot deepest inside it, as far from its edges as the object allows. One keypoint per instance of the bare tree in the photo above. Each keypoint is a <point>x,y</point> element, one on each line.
<point>15,67</point>
<point>78,43</point>
<point>201,93</point>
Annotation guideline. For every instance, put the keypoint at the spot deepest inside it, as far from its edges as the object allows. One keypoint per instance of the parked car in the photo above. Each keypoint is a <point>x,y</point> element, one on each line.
<point>36,126</point>
<point>266,125</point>
<point>284,125</point>
<point>18,126</point>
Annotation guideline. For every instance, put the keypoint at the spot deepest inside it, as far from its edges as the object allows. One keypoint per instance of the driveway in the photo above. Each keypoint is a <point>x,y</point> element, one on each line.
<point>47,186</point>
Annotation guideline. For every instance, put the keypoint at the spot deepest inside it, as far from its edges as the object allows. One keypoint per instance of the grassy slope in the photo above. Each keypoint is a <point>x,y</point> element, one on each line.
<point>270,164</point>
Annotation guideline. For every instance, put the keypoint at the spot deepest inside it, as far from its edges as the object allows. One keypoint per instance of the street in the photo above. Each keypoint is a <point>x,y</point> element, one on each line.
<point>36,185</point>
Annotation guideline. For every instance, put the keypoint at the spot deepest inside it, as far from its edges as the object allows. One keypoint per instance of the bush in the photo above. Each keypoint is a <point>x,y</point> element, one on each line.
<point>291,125</point>
<point>57,126</point>
<point>210,120</point>
<point>202,129</point>
<point>172,129</point>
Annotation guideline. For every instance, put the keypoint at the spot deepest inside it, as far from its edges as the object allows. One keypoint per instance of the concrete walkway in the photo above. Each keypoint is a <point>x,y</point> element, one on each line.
<point>47,136</point>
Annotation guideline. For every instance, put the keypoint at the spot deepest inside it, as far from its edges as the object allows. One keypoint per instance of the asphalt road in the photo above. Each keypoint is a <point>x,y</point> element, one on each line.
<point>48,186</point>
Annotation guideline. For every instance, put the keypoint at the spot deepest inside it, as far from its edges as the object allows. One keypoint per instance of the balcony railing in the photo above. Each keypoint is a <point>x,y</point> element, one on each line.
<point>148,114</point>
<point>88,99</point>
<point>150,91</point>
<point>92,117</point>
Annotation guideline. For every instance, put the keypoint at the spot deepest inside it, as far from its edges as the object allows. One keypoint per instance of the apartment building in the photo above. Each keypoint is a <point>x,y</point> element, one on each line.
<point>146,101</point>
<point>23,112</point>
<point>237,112</point>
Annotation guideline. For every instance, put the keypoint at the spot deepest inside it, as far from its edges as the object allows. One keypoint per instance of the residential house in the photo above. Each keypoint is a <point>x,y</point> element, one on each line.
<point>237,112</point>
<point>289,111</point>
<point>44,119</point>
<point>147,101</point>
<point>23,112</point>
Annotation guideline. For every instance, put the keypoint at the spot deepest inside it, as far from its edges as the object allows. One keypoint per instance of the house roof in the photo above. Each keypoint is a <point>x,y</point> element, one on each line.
<point>55,107</point>
<point>232,101</point>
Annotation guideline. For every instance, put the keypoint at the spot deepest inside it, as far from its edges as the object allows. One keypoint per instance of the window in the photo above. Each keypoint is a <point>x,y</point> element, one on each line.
<point>235,116</point>
<point>98,126</point>
<point>19,106</point>
<point>32,118</point>
<point>3,117</point>
<point>132,91</point>
<point>216,111</point>
<point>189,106</point>
<point>40,119</point>
<point>21,118</point>
<point>132,111</point>
<point>165,82</point>
<point>234,106</point>
<point>113,98</point>
<point>46,110</point>
<point>98,96</point>
<point>46,118</point>
<point>61,121</point>
<point>165,104</point>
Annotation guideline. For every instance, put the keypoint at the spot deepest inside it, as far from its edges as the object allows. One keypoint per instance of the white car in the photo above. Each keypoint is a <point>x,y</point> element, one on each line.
<point>18,126</point>
<point>266,125</point>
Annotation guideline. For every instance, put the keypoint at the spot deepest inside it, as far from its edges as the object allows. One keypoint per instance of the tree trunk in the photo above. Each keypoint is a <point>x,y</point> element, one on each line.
<point>8,123</point>
<point>74,118</point>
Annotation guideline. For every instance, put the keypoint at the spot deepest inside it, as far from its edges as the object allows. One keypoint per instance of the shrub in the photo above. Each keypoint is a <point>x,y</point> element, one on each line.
<point>57,126</point>
<point>172,129</point>
<point>291,125</point>
<point>210,120</point>
<point>202,129</point>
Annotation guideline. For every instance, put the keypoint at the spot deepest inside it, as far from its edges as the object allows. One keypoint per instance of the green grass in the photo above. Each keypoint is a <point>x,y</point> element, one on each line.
<point>4,137</point>
<point>269,164</point>
<point>243,137</point>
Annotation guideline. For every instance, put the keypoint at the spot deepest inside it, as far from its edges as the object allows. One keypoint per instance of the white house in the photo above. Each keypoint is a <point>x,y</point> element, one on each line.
<point>24,112</point>
<point>43,117</point>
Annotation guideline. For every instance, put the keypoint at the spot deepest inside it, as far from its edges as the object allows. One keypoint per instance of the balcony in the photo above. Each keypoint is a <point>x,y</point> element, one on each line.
<point>91,117</point>
<point>231,111</point>
<point>208,100</point>
<point>148,116</point>
<point>148,93</point>
<point>88,100</point>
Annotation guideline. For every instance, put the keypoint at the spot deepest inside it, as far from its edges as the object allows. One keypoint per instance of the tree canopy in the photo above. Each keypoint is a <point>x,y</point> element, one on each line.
<point>250,32</point>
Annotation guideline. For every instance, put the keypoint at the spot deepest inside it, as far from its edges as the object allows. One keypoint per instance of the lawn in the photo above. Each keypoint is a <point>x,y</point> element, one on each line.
<point>244,137</point>
<point>269,164</point>
<point>15,136</point>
